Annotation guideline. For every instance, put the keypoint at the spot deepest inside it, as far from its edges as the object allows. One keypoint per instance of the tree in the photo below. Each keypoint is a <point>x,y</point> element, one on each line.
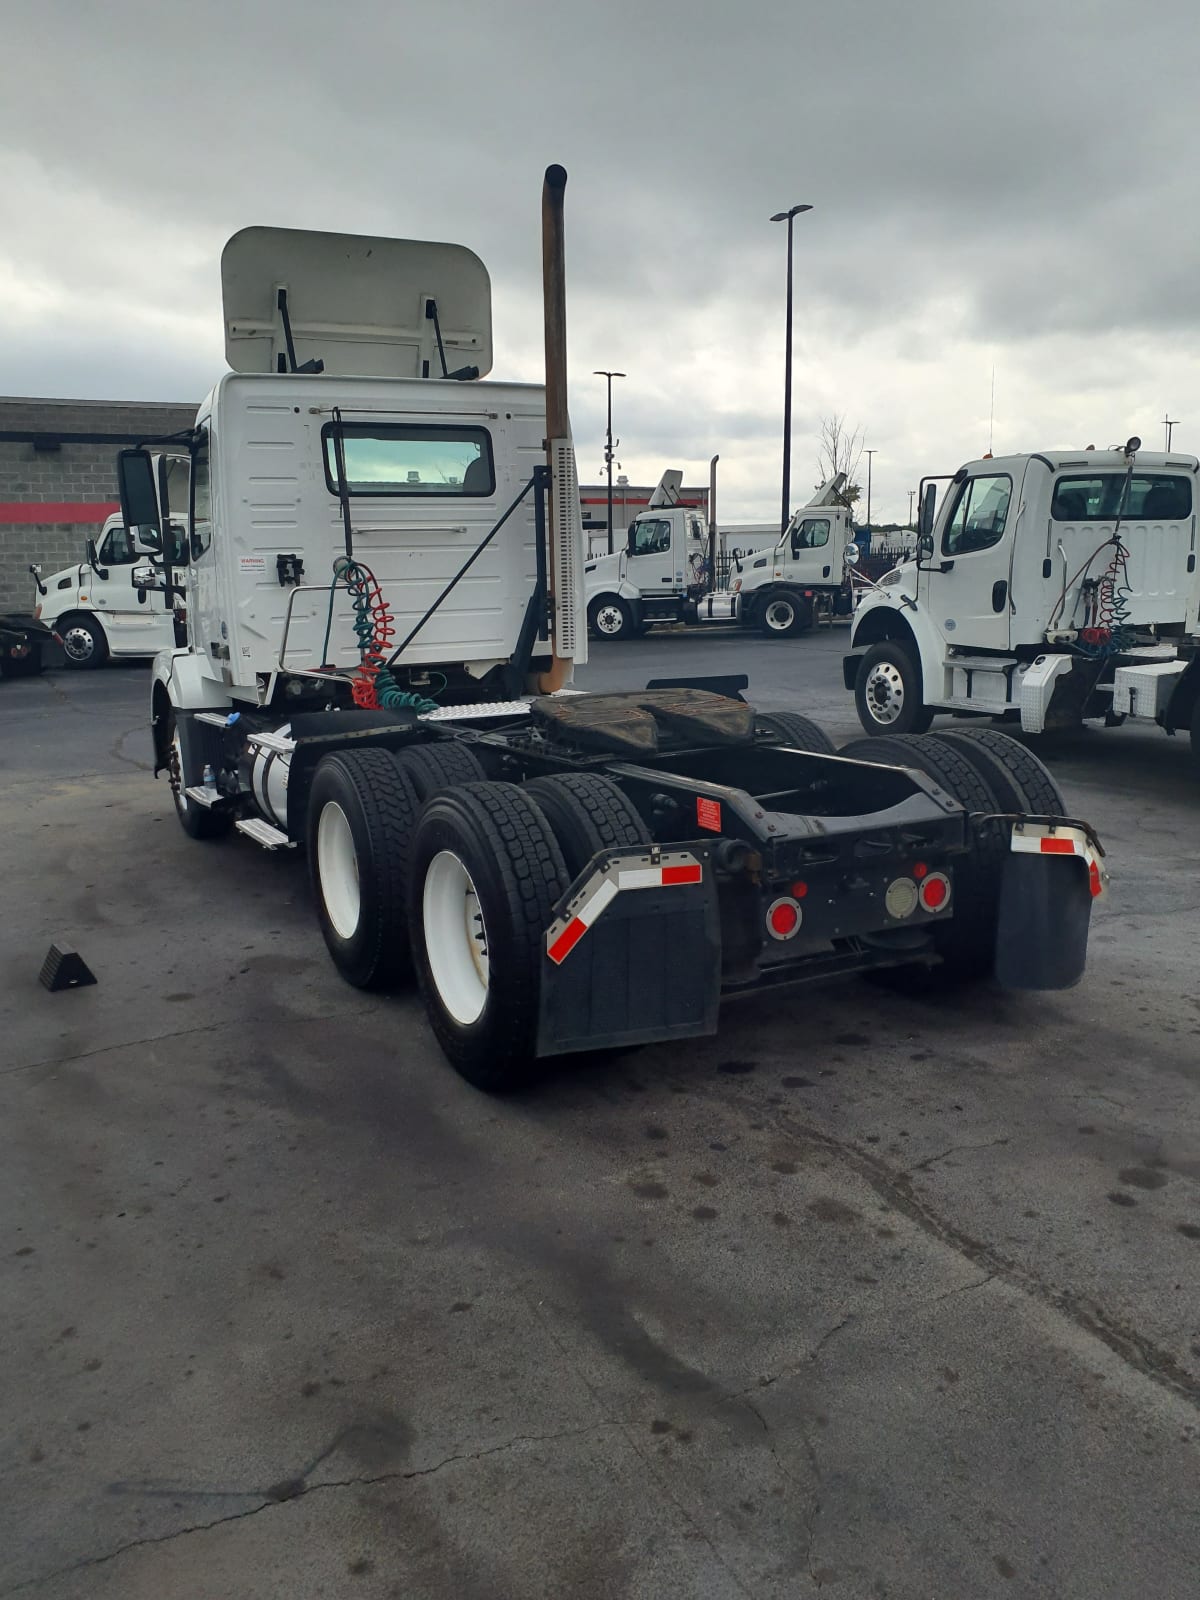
<point>840,450</point>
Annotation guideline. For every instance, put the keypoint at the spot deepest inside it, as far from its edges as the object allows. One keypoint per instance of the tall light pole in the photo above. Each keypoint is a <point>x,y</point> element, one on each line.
<point>1169,426</point>
<point>786,513</point>
<point>608,447</point>
<point>911,496</point>
<point>868,454</point>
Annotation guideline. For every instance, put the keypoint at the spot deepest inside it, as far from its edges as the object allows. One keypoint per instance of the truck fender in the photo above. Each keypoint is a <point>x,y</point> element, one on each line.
<point>178,684</point>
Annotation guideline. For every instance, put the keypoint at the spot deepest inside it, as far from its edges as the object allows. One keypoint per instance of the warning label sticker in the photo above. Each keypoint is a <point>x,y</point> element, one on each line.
<point>253,566</point>
<point>708,813</point>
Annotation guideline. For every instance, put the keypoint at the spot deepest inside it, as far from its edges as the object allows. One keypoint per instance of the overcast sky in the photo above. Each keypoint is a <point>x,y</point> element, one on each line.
<point>1010,184</point>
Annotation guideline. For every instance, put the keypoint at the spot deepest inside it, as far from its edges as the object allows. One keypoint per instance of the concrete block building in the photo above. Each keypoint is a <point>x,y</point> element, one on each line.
<point>58,478</point>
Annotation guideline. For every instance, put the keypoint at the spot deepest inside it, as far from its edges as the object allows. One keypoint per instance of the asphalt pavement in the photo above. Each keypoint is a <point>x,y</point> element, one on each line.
<point>876,1293</point>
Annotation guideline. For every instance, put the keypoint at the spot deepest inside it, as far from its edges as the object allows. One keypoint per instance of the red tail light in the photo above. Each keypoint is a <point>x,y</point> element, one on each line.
<point>784,918</point>
<point>934,892</point>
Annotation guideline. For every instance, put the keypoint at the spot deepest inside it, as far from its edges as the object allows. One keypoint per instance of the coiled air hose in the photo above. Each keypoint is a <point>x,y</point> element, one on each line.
<point>373,684</point>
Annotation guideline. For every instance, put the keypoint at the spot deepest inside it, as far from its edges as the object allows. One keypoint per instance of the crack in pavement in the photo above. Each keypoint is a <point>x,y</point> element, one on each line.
<point>278,1496</point>
<point>987,1144</point>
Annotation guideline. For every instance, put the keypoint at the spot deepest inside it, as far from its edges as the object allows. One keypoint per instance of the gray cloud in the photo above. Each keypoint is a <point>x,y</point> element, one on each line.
<point>1005,184</point>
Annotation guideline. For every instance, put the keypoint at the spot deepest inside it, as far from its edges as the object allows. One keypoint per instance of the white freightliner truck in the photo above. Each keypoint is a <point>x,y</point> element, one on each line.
<point>1051,589</point>
<point>96,611</point>
<point>385,605</point>
<point>662,573</point>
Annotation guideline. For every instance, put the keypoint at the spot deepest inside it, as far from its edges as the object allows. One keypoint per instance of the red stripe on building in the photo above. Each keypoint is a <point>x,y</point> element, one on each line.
<point>29,512</point>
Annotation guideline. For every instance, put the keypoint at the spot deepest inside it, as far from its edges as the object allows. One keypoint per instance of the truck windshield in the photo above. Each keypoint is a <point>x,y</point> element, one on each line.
<point>385,458</point>
<point>1097,497</point>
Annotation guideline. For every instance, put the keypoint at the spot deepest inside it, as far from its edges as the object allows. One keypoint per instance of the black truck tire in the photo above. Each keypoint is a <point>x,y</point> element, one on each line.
<point>485,872</point>
<point>795,729</point>
<point>439,765</point>
<point>888,692</point>
<point>1022,782</point>
<point>85,643</point>
<point>610,617</point>
<point>197,821</point>
<point>587,813</point>
<point>361,811</point>
<point>967,943</point>
<point>783,614</point>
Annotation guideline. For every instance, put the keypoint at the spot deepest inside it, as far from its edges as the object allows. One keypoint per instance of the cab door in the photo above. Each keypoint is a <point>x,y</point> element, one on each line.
<point>651,559</point>
<point>810,560</point>
<point>135,621</point>
<point>967,583</point>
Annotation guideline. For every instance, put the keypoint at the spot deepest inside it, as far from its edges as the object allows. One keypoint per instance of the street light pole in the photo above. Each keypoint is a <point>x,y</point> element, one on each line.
<point>868,454</point>
<point>608,448</point>
<point>786,512</point>
<point>911,496</point>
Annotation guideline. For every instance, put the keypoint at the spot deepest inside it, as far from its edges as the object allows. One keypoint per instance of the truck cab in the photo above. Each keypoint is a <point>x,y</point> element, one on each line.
<point>1047,588</point>
<point>659,573</point>
<point>96,609</point>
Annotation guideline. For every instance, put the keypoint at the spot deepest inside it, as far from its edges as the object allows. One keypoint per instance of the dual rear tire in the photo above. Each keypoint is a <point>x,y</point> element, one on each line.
<point>421,868</point>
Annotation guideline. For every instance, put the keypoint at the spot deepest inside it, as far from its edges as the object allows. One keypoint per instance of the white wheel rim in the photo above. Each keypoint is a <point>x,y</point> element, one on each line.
<point>456,942</point>
<point>609,620</point>
<point>779,615</point>
<point>337,869</point>
<point>79,644</point>
<point>181,799</point>
<point>884,692</point>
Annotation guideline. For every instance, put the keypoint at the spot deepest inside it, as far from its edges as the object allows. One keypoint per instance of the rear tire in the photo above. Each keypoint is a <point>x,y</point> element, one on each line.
<point>361,811</point>
<point>610,617</point>
<point>1021,781</point>
<point>888,691</point>
<point>794,729</point>
<point>486,871</point>
<point>85,644</point>
<point>197,821</point>
<point>967,943</point>
<point>440,765</point>
<point>784,614</point>
<point>587,813</point>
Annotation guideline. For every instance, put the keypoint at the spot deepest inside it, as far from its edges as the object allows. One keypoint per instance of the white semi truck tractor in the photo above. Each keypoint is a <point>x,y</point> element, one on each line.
<point>385,605</point>
<point>662,573</point>
<point>1052,589</point>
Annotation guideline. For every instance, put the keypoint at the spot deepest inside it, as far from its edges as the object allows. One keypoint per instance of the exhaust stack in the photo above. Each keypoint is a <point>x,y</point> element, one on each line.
<point>568,634</point>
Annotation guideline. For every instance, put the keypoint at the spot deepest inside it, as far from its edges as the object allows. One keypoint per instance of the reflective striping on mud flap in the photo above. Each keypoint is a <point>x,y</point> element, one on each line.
<point>653,870</point>
<point>1062,839</point>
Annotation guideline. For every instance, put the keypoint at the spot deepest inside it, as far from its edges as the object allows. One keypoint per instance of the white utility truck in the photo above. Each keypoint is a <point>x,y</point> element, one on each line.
<point>96,611</point>
<point>384,590</point>
<point>1051,589</point>
<point>662,574</point>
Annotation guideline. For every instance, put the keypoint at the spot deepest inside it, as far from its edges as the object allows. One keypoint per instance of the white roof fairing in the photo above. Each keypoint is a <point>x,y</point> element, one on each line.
<point>355,302</point>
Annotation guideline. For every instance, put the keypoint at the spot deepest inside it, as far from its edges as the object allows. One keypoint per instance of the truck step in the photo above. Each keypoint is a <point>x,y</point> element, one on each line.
<point>272,741</point>
<point>215,719</point>
<point>1001,664</point>
<point>263,833</point>
<point>203,795</point>
<point>484,708</point>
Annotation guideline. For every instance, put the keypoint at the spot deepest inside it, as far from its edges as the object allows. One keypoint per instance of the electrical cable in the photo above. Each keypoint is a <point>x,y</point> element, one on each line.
<point>374,685</point>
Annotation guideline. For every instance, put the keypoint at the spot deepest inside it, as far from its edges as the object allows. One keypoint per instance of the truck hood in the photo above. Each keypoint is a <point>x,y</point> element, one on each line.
<point>603,570</point>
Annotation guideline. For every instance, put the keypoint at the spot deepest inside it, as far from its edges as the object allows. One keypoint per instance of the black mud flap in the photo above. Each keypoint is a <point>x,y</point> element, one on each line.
<point>1045,910</point>
<point>633,955</point>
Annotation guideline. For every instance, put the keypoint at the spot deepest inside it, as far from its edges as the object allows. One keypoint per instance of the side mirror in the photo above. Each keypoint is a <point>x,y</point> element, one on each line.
<point>146,577</point>
<point>139,496</point>
<point>93,559</point>
<point>36,570</point>
<point>851,555</point>
<point>928,507</point>
<point>925,547</point>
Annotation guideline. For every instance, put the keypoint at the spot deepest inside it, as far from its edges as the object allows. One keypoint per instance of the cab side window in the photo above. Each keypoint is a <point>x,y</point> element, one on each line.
<point>651,535</point>
<point>117,549</point>
<point>979,517</point>
<point>811,534</point>
<point>201,496</point>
